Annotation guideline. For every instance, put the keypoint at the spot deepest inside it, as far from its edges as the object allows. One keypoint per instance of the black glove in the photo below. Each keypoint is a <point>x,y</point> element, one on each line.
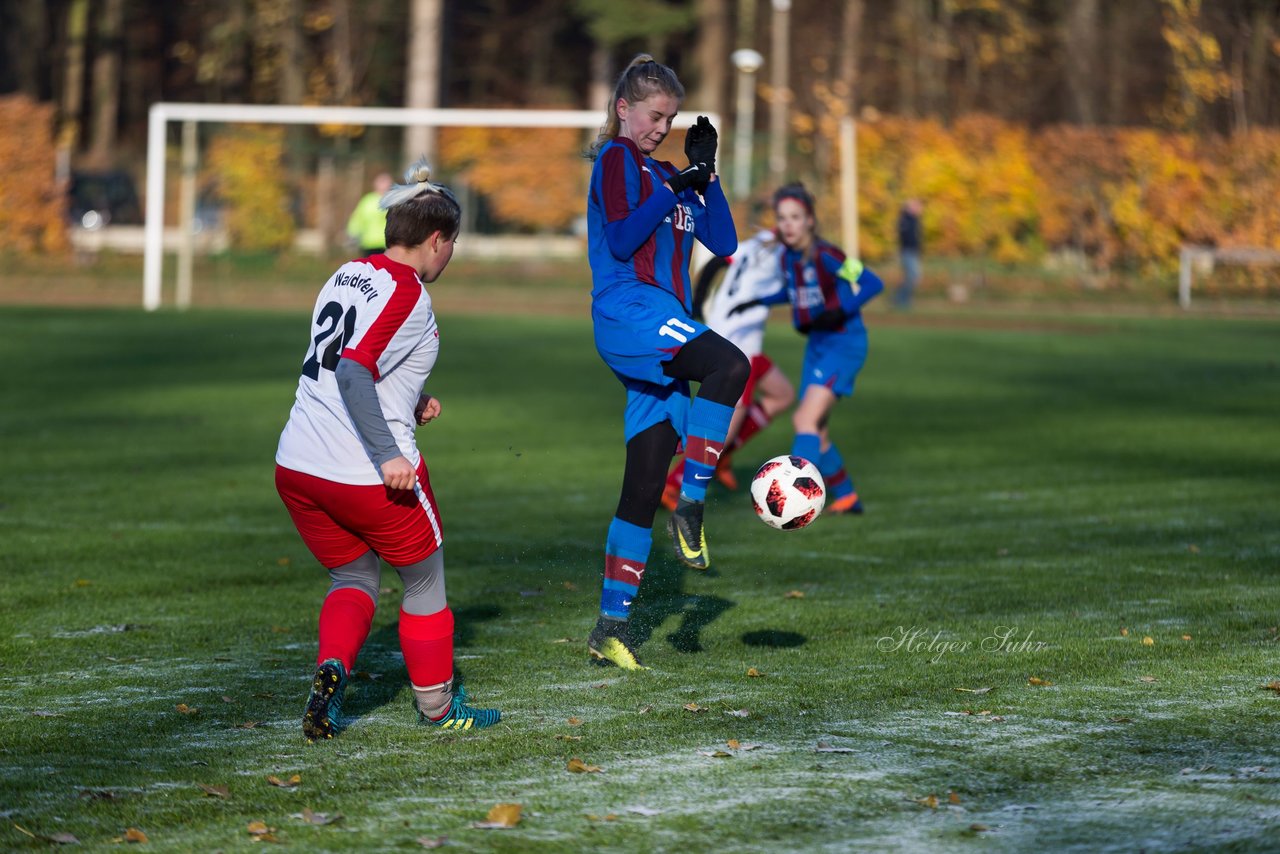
<point>700,145</point>
<point>695,176</point>
<point>830,320</point>
<point>744,306</point>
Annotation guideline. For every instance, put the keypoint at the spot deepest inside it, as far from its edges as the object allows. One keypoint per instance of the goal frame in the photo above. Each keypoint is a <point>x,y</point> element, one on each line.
<point>162,113</point>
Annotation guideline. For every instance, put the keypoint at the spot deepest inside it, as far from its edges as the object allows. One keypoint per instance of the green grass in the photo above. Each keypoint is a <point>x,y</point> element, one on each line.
<point>1073,481</point>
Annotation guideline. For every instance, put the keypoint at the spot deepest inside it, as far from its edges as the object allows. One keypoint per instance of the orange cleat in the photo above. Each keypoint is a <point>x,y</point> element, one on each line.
<point>846,504</point>
<point>724,472</point>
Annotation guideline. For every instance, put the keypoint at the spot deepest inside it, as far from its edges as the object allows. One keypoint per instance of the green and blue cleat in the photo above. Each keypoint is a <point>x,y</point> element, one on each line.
<point>323,717</point>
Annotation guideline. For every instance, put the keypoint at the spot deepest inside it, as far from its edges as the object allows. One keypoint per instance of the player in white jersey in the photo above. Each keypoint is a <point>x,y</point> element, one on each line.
<point>751,273</point>
<point>348,467</point>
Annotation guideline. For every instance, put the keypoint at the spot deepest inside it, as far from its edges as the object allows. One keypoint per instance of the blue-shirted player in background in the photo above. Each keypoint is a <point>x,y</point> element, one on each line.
<point>827,291</point>
<point>642,216</point>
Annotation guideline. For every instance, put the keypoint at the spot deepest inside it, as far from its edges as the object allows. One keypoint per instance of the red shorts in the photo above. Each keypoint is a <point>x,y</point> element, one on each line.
<point>340,521</point>
<point>760,365</point>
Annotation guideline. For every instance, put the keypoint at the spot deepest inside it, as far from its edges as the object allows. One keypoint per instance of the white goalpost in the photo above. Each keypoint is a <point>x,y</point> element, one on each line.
<point>161,114</point>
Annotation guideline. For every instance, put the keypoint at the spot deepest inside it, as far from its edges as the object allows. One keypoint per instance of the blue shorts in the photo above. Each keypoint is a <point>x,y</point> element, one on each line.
<point>638,328</point>
<point>833,359</point>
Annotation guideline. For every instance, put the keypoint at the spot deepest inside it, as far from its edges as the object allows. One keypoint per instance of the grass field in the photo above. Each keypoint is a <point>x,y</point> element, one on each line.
<point>1052,629</point>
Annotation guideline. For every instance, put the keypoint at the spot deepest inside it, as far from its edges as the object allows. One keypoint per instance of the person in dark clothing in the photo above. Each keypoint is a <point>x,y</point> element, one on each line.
<point>910,239</point>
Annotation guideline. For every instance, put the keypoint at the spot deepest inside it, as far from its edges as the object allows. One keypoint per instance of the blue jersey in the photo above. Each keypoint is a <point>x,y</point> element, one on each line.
<point>639,232</point>
<point>820,280</point>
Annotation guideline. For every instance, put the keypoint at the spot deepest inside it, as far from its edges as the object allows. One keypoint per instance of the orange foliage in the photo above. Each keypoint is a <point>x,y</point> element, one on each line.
<point>32,206</point>
<point>533,178</point>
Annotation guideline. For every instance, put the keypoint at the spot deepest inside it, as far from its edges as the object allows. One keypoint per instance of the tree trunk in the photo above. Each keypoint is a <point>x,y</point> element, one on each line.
<point>422,84</point>
<point>73,77</point>
<point>780,89</point>
<point>292,67</point>
<point>907,27</point>
<point>106,82</point>
<point>1081,59</point>
<point>601,89</point>
<point>713,54</point>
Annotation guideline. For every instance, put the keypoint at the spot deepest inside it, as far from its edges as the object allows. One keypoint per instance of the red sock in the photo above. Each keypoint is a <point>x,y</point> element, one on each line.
<point>757,419</point>
<point>345,618</point>
<point>427,644</point>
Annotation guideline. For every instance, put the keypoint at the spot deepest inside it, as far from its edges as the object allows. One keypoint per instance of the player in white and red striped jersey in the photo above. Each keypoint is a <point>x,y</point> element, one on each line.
<point>752,272</point>
<point>348,467</point>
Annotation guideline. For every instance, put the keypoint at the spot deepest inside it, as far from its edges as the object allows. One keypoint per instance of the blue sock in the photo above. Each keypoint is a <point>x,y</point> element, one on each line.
<point>832,467</point>
<point>626,550</point>
<point>807,445</point>
<point>708,425</point>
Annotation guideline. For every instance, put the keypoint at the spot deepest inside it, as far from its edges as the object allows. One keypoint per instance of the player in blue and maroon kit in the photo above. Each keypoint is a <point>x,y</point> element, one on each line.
<point>642,218</point>
<point>827,292</point>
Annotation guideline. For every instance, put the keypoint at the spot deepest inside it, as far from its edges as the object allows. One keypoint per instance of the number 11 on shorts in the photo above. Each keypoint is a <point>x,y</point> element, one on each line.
<point>669,329</point>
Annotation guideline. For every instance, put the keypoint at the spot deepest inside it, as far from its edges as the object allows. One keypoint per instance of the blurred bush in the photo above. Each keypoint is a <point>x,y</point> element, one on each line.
<point>32,206</point>
<point>245,168</point>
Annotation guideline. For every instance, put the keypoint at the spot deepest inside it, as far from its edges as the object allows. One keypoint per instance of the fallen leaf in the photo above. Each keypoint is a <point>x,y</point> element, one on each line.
<point>432,841</point>
<point>1193,548</point>
<point>577,766</point>
<point>644,710</point>
<point>1124,633</point>
<point>930,801</point>
<point>734,743</point>
<point>57,838</point>
<point>824,747</point>
<point>1147,679</point>
<point>694,707</point>
<point>1148,640</point>
<point>1272,686</point>
<point>83,582</point>
<point>132,834</point>
<point>259,828</point>
<point>600,685</point>
<point>715,754</point>
<point>501,816</point>
<point>973,690</point>
<point>609,817</point>
<point>280,630</point>
<point>569,585</point>
<point>569,737</point>
<point>227,699</point>
<point>282,561</point>
<point>248,725</point>
<point>953,798</point>
<point>1186,637</point>
<point>319,819</point>
<point>187,710</point>
<point>1118,719</point>
<point>794,594</point>
<point>979,828</point>
<point>284,784</point>
<point>574,722</point>
<point>738,713</point>
<point>215,791</point>
<point>1036,680</point>
<point>564,640</point>
<point>752,672</point>
<point>742,745</point>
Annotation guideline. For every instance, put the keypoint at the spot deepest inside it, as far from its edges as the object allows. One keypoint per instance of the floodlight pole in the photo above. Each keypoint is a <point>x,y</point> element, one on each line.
<point>748,62</point>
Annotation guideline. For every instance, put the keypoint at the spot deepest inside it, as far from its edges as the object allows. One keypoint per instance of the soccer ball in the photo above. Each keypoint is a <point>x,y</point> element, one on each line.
<point>788,493</point>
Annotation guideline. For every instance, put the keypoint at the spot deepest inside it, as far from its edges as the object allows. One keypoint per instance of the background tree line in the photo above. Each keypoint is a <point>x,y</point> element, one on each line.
<point>1171,64</point>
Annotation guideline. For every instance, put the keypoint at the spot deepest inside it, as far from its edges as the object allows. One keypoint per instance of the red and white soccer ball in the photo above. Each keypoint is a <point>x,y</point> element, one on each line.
<point>788,493</point>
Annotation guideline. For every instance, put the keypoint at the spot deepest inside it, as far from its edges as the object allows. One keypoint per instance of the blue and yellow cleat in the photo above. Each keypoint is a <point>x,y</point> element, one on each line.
<point>609,644</point>
<point>687,536</point>
<point>323,717</point>
<point>460,715</point>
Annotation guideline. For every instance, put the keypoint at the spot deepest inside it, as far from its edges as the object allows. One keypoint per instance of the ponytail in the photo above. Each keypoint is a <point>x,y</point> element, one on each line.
<point>641,78</point>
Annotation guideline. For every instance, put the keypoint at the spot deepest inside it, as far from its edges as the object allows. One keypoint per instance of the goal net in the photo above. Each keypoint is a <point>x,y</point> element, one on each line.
<point>1241,271</point>
<point>519,175</point>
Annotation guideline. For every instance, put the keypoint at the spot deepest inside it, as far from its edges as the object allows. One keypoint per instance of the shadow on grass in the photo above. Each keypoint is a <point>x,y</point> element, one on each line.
<point>774,638</point>
<point>663,596</point>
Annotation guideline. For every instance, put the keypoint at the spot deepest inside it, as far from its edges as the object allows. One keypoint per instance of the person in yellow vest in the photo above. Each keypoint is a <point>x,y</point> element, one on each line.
<point>368,223</point>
